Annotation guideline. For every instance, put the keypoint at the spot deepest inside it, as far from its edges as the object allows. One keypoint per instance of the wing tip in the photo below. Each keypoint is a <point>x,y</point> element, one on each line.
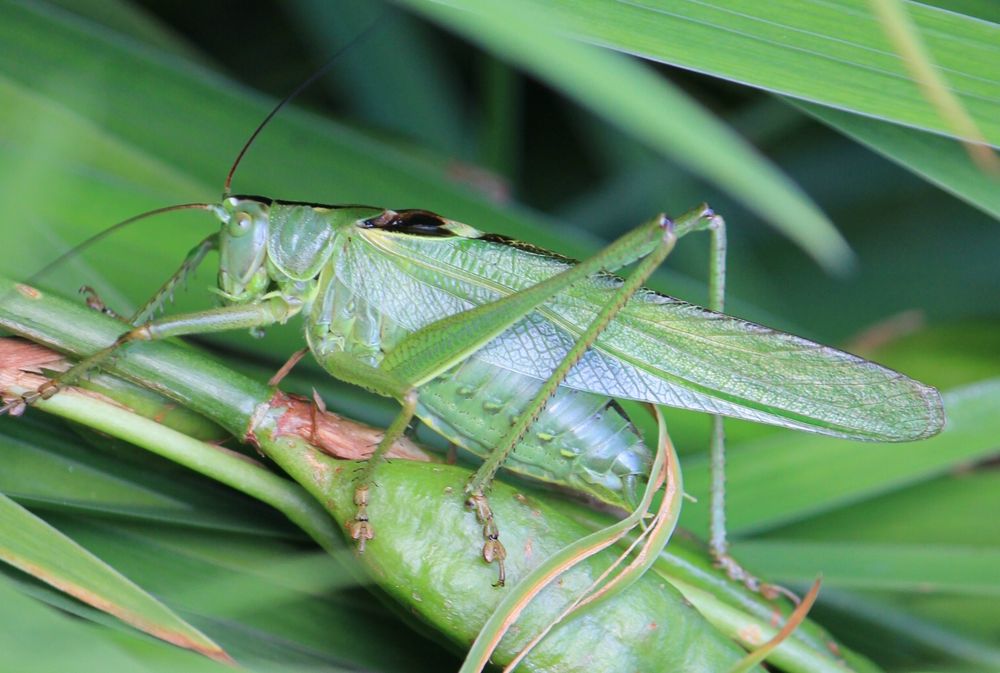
<point>928,419</point>
<point>935,416</point>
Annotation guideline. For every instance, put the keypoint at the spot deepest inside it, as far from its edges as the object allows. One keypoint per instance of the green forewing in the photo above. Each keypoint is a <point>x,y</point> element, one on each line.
<point>658,349</point>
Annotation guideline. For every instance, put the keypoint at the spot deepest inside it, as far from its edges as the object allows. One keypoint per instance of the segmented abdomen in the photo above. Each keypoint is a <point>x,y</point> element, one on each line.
<point>581,440</point>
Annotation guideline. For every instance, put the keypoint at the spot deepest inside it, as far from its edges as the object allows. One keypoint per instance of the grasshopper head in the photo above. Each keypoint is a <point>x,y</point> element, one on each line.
<point>243,273</point>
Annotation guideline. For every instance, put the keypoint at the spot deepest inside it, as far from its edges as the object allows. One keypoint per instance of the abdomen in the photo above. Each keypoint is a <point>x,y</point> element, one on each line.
<point>581,440</point>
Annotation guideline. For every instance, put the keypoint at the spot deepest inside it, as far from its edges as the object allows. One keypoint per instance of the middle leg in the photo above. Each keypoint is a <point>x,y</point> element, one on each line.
<point>476,489</point>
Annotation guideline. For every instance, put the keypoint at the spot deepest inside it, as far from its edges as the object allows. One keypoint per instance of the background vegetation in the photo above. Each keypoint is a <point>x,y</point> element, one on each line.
<point>112,108</point>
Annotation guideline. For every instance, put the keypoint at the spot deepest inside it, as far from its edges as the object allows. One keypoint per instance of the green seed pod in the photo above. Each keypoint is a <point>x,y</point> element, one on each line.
<point>426,554</point>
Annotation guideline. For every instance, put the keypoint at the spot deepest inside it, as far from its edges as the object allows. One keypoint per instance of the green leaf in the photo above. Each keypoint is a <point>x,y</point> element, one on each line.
<point>918,567</point>
<point>831,53</point>
<point>46,469</point>
<point>787,477</point>
<point>939,160</point>
<point>29,630</point>
<point>834,58</point>
<point>29,543</point>
<point>950,511</point>
<point>640,102</point>
<point>264,600</point>
<point>893,627</point>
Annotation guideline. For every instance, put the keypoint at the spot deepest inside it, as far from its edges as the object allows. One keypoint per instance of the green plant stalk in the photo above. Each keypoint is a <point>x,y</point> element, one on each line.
<point>417,517</point>
<point>151,405</point>
<point>225,466</point>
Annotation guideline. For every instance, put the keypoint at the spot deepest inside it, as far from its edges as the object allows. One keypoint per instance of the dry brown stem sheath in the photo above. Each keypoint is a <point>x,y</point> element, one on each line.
<point>22,363</point>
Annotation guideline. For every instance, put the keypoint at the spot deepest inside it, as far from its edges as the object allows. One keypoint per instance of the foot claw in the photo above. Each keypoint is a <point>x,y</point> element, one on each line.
<point>360,531</point>
<point>19,404</point>
<point>360,528</point>
<point>45,391</point>
<point>94,302</point>
<point>493,549</point>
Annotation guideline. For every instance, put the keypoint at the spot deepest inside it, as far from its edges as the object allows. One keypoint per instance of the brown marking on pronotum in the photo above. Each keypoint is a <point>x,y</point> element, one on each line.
<point>382,220</point>
<point>207,648</point>
<point>411,221</point>
<point>414,217</point>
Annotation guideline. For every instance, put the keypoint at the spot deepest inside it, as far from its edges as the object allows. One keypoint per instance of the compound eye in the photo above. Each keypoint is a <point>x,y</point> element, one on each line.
<point>240,224</point>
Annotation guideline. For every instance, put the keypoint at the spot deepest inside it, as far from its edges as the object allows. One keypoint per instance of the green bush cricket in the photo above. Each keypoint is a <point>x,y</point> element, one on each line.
<point>515,353</point>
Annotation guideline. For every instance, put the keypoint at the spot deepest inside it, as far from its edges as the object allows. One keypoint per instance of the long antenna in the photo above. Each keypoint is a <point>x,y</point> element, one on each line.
<point>101,235</point>
<point>104,233</point>
<point>295,92</point>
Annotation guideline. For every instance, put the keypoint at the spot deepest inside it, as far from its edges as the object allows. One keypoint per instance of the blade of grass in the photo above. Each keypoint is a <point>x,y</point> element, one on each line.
<point>895,623</point>
<point>831,53</point>
<point>922,568</point>
<point>953,510</point>
<point>224,466</point>
<point>29,543</point>
<point>28,631</point>
<point>904,36</point>
<point>787,476</point>
<point>49,470</point>
<point>647,106</point>
<point>264,601</point>
<point>937,159</point>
